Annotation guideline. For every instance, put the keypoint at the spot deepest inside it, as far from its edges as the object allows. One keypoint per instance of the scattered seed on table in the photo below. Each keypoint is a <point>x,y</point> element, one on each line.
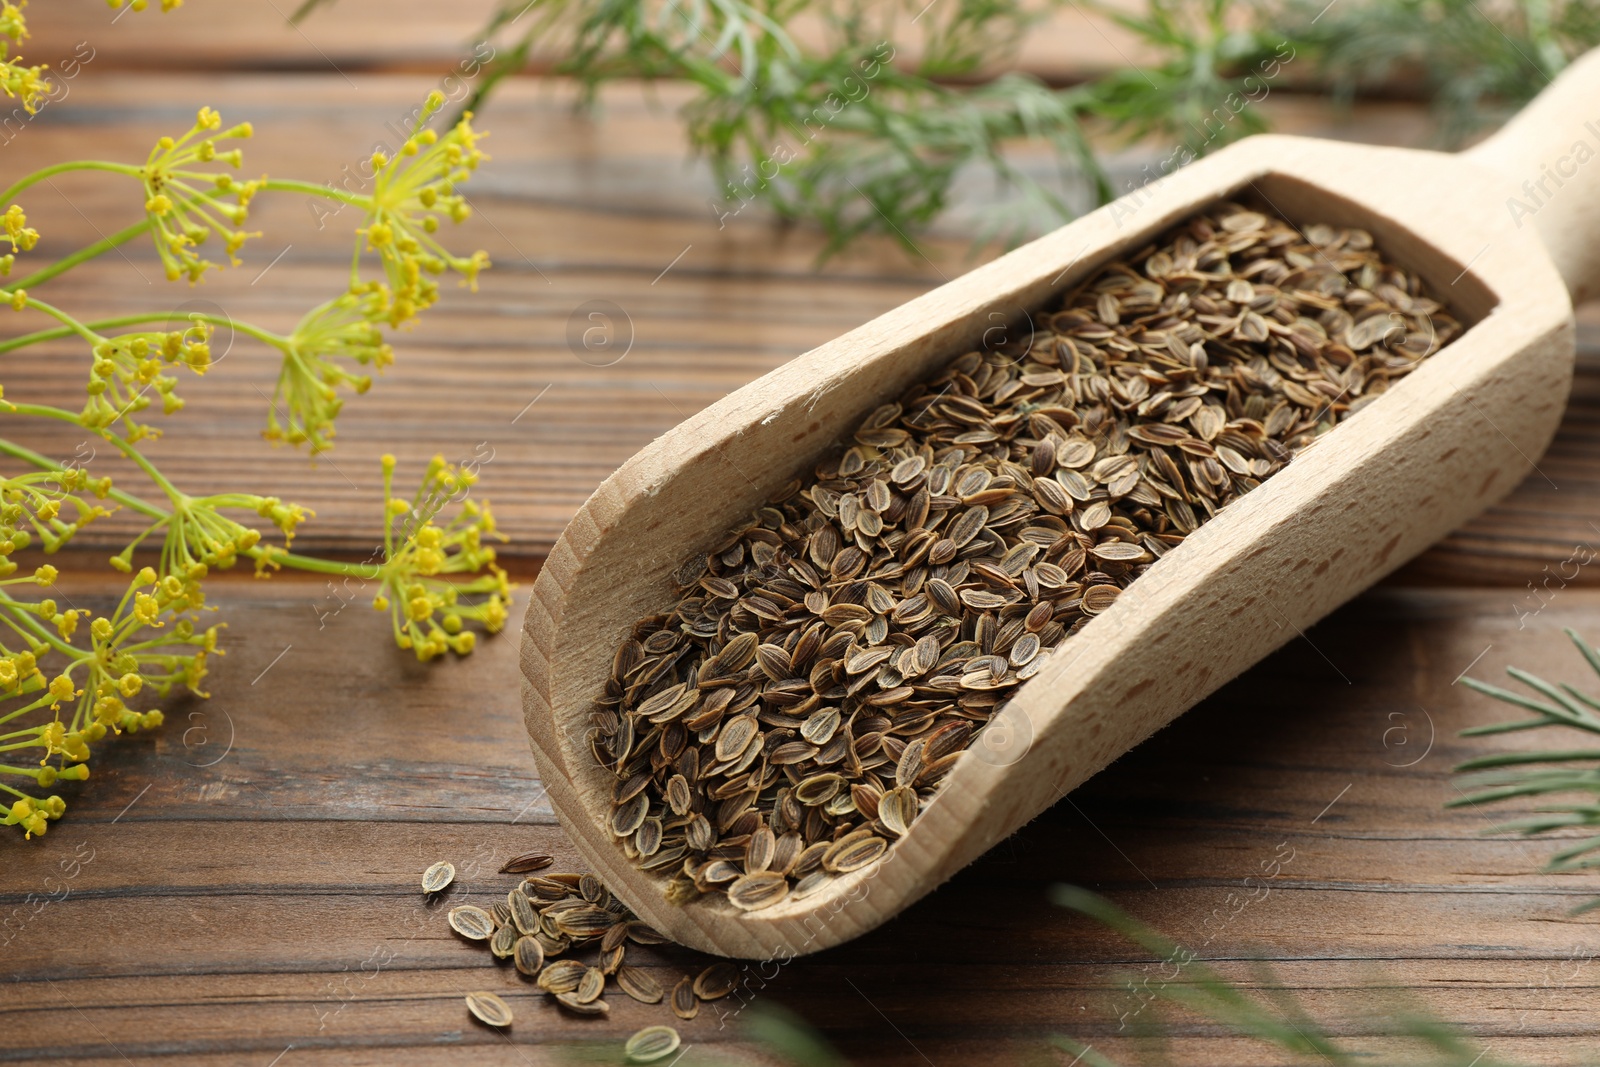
<point>571,1002</point>
<point>639,985</point>
<point>472,922</point>
<point>489,1009</point>
<point>651,1044</point>
<point>438,876</point>
<point>684,1004</point>
<point>716,981</point>
<point>504,941</point>
<point>528,956</point>
<point>528,861</point>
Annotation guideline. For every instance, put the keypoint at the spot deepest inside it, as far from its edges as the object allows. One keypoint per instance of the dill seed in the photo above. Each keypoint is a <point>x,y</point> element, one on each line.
<point>684,1004</point>
<point>528,861</point>
<point>528,955</point>
<point>651,1044</point>
<point>827,662</point>
<point>472,923</point>
<point>489,1009</point>
<point>437,877</point>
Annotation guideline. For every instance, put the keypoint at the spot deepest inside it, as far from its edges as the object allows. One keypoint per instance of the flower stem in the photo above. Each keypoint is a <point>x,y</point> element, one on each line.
<point>63,168</point>
<point>27,455</point>
<point>287,185</point>
<point>82,255</point>
<point>99,325</point>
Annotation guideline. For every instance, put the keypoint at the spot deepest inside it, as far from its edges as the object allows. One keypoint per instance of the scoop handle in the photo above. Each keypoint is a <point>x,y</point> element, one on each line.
<point>1549,159</point>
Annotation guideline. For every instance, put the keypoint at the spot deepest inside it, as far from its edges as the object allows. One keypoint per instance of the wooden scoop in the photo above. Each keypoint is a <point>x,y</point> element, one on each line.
<point>1503,233</point>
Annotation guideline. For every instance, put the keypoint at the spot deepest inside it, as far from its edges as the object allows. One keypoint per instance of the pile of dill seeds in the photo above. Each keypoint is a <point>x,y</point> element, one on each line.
<point>827,663</point>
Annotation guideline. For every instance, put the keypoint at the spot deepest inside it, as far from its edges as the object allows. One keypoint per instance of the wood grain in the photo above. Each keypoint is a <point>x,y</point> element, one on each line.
<point>228,909</point>
<point>352,37</point>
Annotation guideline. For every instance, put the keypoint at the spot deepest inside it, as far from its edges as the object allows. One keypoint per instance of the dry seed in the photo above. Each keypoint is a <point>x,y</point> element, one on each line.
<point>472,922</point>
<point>716,981</point>
<point>651,1044</point>
<point>489,1009</point>
<point>571,1002</point>
<point>684,1004</point>
<point>828,649</point>
<point>590,986</point>
<point>528,956</point>
<point>528,861</point>
<point>639,985</point>
<point>897,808</point>
<point>757,890</point>
<point>562,976</point>
<point>523,913</point>
<point>504,941</point>
<point>438,876</point>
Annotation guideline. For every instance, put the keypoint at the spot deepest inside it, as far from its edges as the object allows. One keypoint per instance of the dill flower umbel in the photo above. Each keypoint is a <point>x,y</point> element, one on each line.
<point>147,645</point>
<point>186,205</point>
<point>19,82</point>
<point>128,367</point>
<point>344,328</point>
<point>427,608</point>
<point>411,193</point>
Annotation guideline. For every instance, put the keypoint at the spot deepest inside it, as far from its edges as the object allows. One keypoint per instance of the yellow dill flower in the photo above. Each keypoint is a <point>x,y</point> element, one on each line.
<point>19,82</point>
<point>426,556</point>
<point>18,232</point>
<point>186,206</point>
<point>411,192</point>
<point>314,368</point>
<point>140,5</point>
<point>127,369</point>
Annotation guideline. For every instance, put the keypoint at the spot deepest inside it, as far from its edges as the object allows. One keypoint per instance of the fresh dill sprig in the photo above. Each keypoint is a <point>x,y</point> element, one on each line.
<point>1478,64</point>
<point>865,123</point>
<point>1572,773</point>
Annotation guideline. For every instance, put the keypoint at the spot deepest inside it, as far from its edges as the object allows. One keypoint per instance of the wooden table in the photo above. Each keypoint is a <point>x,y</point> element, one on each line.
<point>251,897</point>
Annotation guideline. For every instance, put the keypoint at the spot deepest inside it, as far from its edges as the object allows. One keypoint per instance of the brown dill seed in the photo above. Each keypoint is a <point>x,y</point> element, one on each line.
<point>827,662</point>
<point>472,922</point>
<point>504,942</point>
<point>639,985</point>
<point>684,1004</point>
<point>591,985</point>
<point>528,955</point>
<point>651,1044</point>
<point>438,876</point>
<point>562,976</point>
<point>572,1002</point>
<point>489,1009</point>
<point>716,981</point>
<point>528,861</point>
<point>522,912</point>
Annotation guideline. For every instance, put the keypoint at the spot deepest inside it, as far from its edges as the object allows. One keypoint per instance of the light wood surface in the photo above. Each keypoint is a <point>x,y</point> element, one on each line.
<point>1447,442</point>
<point>232,907</point>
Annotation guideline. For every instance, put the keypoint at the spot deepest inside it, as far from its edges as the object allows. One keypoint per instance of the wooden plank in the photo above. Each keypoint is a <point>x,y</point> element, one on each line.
<point>233,901</point>
<point>356,36</point>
